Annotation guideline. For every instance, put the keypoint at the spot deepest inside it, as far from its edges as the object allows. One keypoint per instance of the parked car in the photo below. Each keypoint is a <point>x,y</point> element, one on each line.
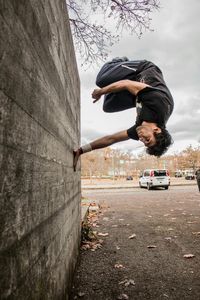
<point>190,176</point>
<point>178,174</point>
<point>129,178</point>
<point>155,178</point>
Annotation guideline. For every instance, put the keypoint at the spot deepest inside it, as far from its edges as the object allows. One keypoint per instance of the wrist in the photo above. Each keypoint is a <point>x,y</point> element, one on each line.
<point>102,91</point>
<point>85,148</point>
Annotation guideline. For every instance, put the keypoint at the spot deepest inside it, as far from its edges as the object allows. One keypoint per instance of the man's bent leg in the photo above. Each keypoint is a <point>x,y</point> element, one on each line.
<point>115,70</point>
<point>115,102</point>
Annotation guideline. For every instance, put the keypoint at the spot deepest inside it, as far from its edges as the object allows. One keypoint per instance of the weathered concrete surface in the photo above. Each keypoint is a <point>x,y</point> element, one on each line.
<point>39,127</point>
<point>168,220</point>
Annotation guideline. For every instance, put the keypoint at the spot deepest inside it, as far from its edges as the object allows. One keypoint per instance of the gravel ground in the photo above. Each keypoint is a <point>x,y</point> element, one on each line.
<point>165,226</point>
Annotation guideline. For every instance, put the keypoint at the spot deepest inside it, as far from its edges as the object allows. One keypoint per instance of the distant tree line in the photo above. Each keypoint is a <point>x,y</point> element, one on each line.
<point>115,163</point>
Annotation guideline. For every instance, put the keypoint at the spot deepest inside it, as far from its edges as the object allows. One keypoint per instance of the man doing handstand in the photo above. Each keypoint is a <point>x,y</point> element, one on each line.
<point>127,84</point>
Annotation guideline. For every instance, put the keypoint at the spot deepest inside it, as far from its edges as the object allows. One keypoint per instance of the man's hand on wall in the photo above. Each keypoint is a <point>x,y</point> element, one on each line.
<point>76,154</point>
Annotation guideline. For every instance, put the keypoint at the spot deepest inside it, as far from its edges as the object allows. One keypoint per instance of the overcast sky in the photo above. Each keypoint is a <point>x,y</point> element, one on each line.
<point>174,46</point>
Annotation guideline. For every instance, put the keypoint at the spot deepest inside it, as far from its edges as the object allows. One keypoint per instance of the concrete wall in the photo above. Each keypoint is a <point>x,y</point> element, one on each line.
<point>39,127</point>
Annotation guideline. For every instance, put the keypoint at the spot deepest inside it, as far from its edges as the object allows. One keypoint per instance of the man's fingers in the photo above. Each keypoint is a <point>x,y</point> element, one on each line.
<point>96,97</point>
<point>75,160</point>
<point>74,163</point>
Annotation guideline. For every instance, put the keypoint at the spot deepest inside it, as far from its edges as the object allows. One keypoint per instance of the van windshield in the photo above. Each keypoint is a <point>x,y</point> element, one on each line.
<point>160,173</point>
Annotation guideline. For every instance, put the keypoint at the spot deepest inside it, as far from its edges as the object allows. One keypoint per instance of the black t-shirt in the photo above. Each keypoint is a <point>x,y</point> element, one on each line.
<point>154,103</point>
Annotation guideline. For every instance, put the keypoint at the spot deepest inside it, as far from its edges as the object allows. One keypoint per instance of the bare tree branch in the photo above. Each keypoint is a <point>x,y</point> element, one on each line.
<point>92,39</point>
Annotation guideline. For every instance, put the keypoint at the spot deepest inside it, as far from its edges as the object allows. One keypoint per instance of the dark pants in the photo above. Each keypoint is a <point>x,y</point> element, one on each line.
<point>198,183</point>
<point>112,72</point>
<point>115,102</point>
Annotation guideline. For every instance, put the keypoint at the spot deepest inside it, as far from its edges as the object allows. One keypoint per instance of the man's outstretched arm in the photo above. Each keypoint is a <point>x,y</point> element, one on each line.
<point>100,143</point>
<point>132,86</point>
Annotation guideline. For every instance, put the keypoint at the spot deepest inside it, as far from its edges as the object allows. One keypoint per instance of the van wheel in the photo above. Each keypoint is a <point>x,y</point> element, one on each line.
<point>148,186</point>
<point>166,187</point>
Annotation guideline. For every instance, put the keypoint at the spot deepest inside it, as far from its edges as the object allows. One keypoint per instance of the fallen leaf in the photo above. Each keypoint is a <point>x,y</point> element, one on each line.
<point>130,282</point>
<point>151,246</point>
<point>168,238</point>
<point>93,245</point>
<point>105,219</point>
<point>166,215</point>
<point>127,224</point>
<point>123,281</point>
<point>119,266</point>
<point>127,282</point>
<point>103,234</point>
<point>132,236</point>
<point>196,233</point>
<point>85,247</point>
<point>170,229</point>
<point>123,297</point>
<point>96,246</point>
<point>81,294</point>
<point>114,225</point>
<point>188,255</point>
<point>121,219</point>
<point>117,247</point>
<point>93,209</point>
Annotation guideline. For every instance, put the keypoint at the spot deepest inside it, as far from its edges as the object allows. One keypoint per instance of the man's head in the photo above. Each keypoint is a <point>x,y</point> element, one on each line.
<point>156,139</point>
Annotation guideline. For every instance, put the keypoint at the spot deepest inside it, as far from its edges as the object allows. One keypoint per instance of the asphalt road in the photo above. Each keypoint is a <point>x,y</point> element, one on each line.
<point>151,265</point>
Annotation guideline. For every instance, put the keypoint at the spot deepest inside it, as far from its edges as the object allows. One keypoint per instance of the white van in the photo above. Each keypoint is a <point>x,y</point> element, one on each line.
<point>155,178</point>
